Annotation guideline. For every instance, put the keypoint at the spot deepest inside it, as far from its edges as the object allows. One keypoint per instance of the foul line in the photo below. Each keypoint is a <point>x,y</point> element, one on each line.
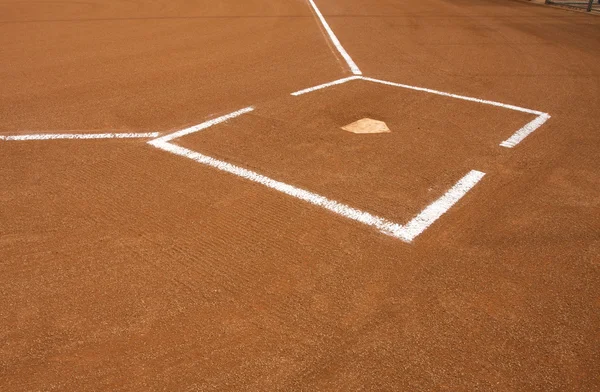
<point>54,136</point>
<point>325,85</point>
<point>353,67</point>
<point>405,233</point>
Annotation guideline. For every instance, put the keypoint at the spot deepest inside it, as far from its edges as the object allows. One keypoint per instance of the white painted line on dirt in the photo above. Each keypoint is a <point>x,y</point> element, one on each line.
<point>325,85</point>
<point>353,67</point>
<point>310,197</point>
<point>408,233</point>
<point>465,98</point>
<point>204,125</point>
<point>55,136</point>
<point>525,131</point>
<point>432,212</point>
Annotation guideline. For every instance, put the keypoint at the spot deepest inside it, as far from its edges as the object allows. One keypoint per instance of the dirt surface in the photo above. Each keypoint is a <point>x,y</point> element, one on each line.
<point>128,268</point>
<point>299,140</point>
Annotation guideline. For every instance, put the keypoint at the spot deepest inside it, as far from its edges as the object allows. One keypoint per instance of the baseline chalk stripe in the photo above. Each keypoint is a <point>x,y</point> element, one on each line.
<point>55,136</point>
<point>204,125</point>
<point>525,131</point>
<point>325,85</point>
<point>353,67</point>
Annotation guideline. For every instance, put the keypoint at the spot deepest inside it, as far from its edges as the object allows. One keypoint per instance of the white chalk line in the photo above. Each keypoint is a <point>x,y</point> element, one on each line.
<point>55,136</point>
<point>522,133</point>
<point>204,125</point>
<point>511,142</point>
<point>465,98</point>
<point>353,67</point>
<point>435,210</point>
<point>325,85</point>
<point>405,233</point>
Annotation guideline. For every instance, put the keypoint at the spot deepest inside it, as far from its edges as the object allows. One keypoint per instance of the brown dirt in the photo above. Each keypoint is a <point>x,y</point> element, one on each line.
<point>298,140</point>
<point>127,268</point>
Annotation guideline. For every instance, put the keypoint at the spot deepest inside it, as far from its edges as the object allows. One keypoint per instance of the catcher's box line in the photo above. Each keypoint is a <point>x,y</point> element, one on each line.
<point>204,125</point>
<point>522,133</point>
<point>511,142</point>
<point>324,85</point>
<point>406,233</point>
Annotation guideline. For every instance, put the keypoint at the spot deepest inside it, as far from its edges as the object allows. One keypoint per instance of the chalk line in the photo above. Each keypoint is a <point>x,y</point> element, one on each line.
<point>353,67</point>
<point>463,97</point>
<point>405,233</point>
<point>522,133</point>
<point>435,210</point>
<point>204,125</point>
<point>325,85</point>
<point>55,136</point>
<point>515,139</point>
<point>431,91</point>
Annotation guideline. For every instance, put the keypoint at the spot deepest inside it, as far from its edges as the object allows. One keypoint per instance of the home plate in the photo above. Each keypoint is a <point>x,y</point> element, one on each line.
<point>367,125</point>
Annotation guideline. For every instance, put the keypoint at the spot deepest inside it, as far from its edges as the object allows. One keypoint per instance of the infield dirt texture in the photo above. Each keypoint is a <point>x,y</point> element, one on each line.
<point>147,243</point>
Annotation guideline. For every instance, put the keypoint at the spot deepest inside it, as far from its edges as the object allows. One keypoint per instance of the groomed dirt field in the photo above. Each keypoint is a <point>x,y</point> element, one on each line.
<point>249,253</point>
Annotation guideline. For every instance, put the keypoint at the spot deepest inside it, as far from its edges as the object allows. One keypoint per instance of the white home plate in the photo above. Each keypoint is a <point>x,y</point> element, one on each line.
<point>367,125</point>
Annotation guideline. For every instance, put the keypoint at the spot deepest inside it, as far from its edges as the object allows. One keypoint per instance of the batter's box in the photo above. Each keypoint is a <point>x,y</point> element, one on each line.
<point>391,176</point>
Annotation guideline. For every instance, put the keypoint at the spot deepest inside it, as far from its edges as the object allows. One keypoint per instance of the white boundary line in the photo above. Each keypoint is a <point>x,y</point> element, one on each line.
<point>336,42</point>
<point>435,210</point>
<point>522,133</point>
<point>463,97</point>
<point>511,142</point>
<point>204,125</point>
<point>55,136</point>
<point>405,233</point>
<point>325,85</point>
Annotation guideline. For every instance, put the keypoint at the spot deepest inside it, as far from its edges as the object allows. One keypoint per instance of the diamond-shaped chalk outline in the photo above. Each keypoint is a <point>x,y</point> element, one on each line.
<point>407,232</point>
<point>511,142</point>
<point>367,126</point>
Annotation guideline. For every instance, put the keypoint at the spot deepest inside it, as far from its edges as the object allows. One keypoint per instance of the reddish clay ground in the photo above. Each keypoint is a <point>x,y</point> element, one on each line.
<point>127,268</point>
